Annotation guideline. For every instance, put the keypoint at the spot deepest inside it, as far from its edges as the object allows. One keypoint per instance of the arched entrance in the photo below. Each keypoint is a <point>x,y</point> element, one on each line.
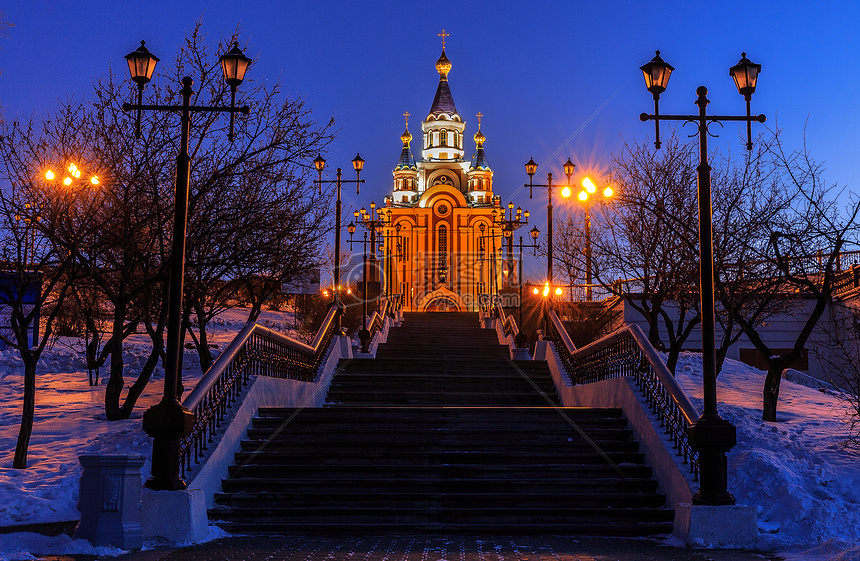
<point>442,300</point>
<point>442,304</point>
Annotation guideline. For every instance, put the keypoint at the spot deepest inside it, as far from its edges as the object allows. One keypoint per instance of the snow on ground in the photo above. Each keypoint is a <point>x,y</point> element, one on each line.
<point>70,422</point>
<point>804,485</point>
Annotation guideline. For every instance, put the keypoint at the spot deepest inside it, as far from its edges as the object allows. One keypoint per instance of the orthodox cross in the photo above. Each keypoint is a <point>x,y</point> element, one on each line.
<point>479,115</point>
<point>406,115</point>
<point>443,35</point>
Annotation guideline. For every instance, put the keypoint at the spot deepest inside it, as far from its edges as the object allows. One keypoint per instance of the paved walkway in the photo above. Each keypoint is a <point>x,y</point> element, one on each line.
<point>438,548</point>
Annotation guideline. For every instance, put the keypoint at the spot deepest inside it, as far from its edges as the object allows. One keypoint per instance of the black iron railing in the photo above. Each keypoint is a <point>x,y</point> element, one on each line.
<point>509,324</point>
<point>627,352</point>
<point>255,351</point>
<point>847,281</point>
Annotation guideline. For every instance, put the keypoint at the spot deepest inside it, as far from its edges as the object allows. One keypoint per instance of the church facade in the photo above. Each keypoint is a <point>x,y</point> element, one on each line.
<point>441,238</point>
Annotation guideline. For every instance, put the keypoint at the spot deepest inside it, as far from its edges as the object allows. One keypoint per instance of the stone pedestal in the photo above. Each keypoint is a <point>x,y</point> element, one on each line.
<point>109,501</point>
<point>724,526</point>
<point>174,517</point>
<point>518,353</point>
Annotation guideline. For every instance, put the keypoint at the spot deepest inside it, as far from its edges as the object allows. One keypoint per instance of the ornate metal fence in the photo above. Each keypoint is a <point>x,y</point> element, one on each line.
<point>258,351</point>
<point>509,324</point>
<point>627,352</point>
<point>255,351</point>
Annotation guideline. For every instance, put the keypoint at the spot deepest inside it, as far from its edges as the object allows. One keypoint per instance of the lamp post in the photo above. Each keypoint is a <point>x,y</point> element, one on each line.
<point>373,222</point>
<point>364,333</point>
<point>482,249</point>
<point>391,249</point>
<point>588,189</point>
<point>357,165</point>
<point>167,421</point>
<point>522,340</point>
<point>711,435</point>
<point>531,168</point>
<point>509,224</point>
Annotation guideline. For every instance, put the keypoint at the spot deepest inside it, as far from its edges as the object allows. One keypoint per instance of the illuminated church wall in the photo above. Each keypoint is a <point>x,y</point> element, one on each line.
<point>442,259</point>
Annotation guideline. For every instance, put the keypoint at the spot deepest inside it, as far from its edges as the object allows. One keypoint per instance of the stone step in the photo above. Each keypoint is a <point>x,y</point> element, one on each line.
<point>394,526</point>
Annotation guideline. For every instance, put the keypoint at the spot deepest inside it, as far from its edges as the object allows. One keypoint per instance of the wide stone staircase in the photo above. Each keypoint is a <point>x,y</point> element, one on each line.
<point>441,432</point>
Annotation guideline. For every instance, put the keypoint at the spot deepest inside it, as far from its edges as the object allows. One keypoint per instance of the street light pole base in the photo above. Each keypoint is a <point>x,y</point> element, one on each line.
<point>712,438</point>
<point>364,337</point>
<point>166,422</point>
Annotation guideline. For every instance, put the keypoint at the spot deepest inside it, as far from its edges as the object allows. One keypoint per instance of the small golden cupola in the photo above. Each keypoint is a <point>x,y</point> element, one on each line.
<point>406,171</point>
<point>480,174</point>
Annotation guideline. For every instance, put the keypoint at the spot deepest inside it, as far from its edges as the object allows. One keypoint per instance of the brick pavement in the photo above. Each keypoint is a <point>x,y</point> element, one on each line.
<point>438,548</point>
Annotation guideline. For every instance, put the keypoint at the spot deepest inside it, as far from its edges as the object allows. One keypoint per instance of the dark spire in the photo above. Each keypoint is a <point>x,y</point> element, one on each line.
<point>444,101</point>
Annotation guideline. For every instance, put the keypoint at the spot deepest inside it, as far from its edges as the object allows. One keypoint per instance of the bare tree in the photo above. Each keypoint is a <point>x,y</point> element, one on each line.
<point>839,352</point>
<point>802,250</point>
<point>38,275</point>
<point>643,242</point>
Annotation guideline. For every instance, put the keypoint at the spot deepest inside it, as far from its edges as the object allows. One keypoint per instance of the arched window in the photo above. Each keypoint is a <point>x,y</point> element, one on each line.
<point>443,138</point>
<point>456,139</point>
<point>443,252</point>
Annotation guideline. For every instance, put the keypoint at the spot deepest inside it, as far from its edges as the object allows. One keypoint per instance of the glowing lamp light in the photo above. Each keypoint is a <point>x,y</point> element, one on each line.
<point>558,292</point>
<point>608,192</point>
<point>234,64</point>
<point>141,64</point>
<point>67,181</point>
<point>325,293</point>
<point>94,180</point>
<point>49,175</point>
<point>583,196</point>
<point>349,291</point>
<point>565,192</point>
<point>536,291</point>
<point>656,72</point>
<point>589,185</point>
<point>745,74</point>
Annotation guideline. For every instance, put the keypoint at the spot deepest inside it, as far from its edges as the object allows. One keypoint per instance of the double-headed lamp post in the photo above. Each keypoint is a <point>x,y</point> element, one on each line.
<point>584,196</point>
<point>374,222</point>
<point>509,223</point>
<point>167,421</point>
<point>711,435</point>
<point>522,340</point>
<point>357,165</point>
<point>531,169</point>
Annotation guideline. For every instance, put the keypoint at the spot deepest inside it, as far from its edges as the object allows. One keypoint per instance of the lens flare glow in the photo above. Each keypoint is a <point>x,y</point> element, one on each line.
<point>49,175</point>
<point>94,180</point>
<point>565,192</point>
<point>558,292</point>
<point>589,185</point>
<point>608,192</point>
<point>67,181</point>
<point>583,196</point>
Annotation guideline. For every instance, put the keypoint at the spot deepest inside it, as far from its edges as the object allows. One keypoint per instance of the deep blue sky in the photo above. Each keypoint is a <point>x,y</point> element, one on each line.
<point>536,70</point>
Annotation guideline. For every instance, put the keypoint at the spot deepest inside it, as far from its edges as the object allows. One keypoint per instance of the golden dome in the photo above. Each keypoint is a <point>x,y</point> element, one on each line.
<point>479,138</point>
<point>443,65</point>
<point>406,137</point>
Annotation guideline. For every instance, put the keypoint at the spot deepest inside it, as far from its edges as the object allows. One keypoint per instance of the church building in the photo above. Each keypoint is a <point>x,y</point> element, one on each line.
<point>441,238</point>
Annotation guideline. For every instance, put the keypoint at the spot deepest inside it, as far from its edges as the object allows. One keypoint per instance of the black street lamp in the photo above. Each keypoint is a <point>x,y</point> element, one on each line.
<point>357,165</point>
<point>391,249</point>
<point>483,251</point>
<point>509,224</point>
<point>522,340</point>
<point>588,189</point>
<point>373,221</point>
<point>167,421</point>
<point>531,168</point>
<point>711,435</point>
